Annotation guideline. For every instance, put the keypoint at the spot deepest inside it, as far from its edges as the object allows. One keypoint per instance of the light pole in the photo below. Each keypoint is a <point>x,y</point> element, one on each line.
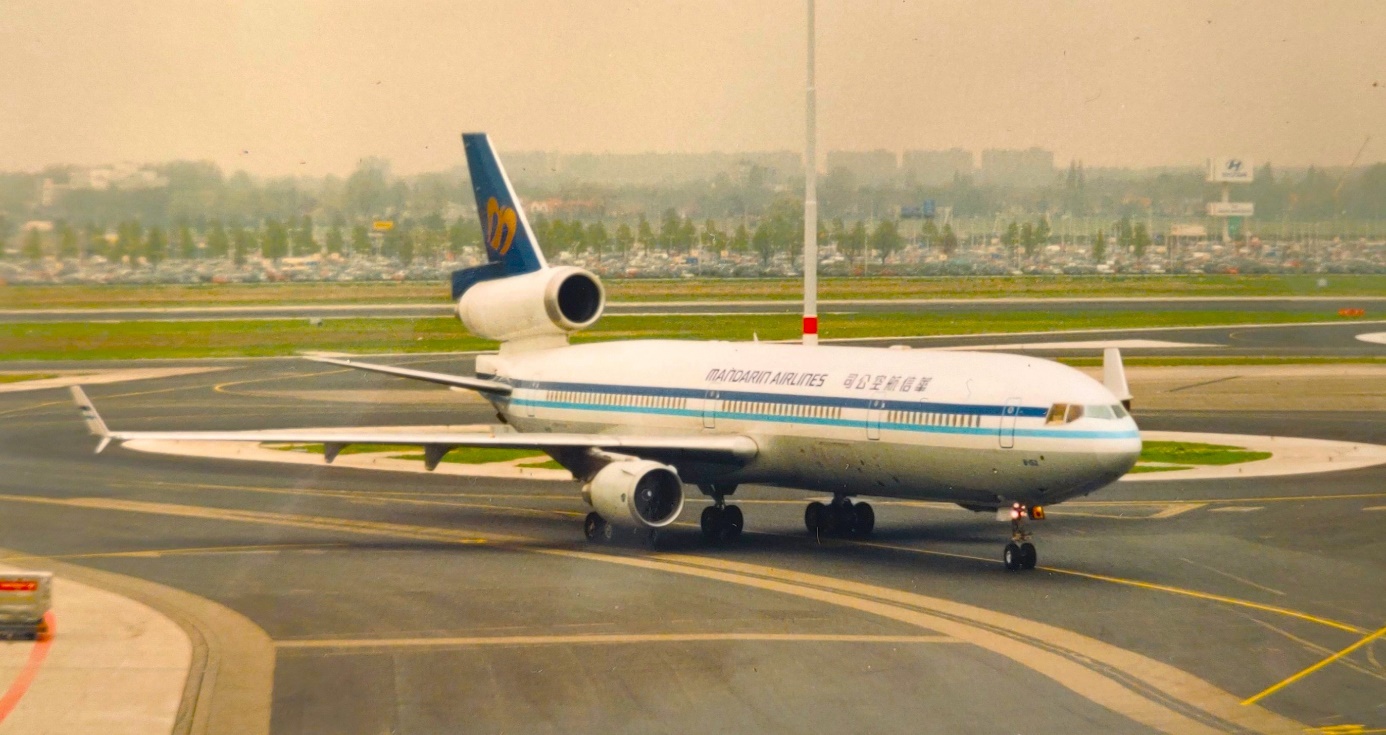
<point>810,201</point>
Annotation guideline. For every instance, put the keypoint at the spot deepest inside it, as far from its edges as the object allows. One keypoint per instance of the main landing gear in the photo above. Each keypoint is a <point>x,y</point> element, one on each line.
<point>600,531</point>
<point>721,523</point>
<point>841,517</point>
<point>1020,553</point>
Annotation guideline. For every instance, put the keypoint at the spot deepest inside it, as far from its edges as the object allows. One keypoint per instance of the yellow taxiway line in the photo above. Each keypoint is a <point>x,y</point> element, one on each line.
<point>1272,689</point>
<point>607,639</point>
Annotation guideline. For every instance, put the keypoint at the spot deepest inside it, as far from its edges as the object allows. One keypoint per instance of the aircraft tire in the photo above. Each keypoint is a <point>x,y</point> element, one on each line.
<point>732,522</point>
<point>1012,557</point>
<point>814,515</point>
<point>1028,556</point>
<point>865,518</point>
<point>711,522</point>
<point>594,527</point>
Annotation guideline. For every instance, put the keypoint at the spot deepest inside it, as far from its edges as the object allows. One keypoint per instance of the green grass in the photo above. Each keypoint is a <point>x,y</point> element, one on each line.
<point>21,377</point>
<point>1140,468</point>
<point>1191,453</point>
<point>250,338</point>
<point>425,292</point>
<point>460,455</point>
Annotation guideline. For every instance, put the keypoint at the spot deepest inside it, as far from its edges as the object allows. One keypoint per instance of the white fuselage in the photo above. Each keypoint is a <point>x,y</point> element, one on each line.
<point>973,428</point>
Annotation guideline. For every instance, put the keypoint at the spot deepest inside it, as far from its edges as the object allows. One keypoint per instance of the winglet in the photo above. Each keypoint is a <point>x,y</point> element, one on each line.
<point>1114,375</point>
<point>95,425</point>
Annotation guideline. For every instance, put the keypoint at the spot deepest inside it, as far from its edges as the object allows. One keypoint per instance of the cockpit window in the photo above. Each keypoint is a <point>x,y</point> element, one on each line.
<point>1067,413</point>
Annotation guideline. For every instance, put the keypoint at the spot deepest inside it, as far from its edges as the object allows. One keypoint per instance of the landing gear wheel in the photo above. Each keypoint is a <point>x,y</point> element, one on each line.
<point>732,522</point>
<point>841,518</point>
<point>1012,557</point>
<point>1028,556</point>
<point>865,518</point>
<point>711,523</point>
<point>595,528</point>
<point>814,516</point>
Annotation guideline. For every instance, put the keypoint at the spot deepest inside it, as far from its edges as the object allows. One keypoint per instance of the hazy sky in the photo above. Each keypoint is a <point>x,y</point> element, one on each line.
<point>276,86</point>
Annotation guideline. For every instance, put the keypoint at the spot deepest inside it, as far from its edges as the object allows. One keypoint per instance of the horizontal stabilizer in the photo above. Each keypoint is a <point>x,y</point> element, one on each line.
<point>455,381</point>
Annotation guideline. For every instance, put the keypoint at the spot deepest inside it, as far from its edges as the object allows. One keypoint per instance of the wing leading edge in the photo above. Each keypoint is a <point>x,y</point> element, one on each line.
<point>455,381</point>
<point>729,449</point>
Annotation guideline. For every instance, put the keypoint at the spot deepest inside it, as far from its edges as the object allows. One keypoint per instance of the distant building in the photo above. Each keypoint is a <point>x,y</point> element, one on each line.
<point>121,176</point>
<point>934,168</point>
<point>1029,167</point>
<point>867,167</point>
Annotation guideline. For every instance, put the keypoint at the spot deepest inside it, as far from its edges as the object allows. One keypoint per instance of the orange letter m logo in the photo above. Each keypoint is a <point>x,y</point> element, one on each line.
<point>500,227</point>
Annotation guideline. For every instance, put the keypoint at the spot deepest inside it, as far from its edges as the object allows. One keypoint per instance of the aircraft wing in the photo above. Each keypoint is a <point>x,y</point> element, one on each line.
<point>729,449</point>
<point>456,381</point>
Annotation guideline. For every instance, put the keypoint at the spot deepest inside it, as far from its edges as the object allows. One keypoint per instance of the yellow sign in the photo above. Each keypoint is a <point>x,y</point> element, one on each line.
<point>384,225</point>
<point>500,226</point>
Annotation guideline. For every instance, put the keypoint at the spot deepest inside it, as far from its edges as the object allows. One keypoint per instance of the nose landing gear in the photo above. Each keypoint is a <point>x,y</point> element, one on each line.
<point>1020,553</point>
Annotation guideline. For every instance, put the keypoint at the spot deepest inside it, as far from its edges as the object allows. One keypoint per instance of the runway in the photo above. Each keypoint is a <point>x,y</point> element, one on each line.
<point>1328,305</point>
<point>414,603</point>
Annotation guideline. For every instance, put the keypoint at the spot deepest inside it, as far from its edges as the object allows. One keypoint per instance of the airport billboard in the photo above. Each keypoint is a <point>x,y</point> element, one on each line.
<point>1231,209</point>
<point>1230,170</point>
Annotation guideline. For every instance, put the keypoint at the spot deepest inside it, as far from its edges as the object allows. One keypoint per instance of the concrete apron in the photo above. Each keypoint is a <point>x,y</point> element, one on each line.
<point>113,666</point>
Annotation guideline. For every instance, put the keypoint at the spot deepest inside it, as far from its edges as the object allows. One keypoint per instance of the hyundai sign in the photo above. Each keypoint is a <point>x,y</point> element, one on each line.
<point>1230,170</point>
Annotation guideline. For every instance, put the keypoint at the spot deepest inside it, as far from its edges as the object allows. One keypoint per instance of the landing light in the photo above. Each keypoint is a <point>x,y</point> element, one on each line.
<point>1037,512</point>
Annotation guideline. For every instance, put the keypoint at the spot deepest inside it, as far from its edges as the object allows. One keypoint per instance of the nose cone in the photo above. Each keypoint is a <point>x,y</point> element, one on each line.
<point>1123,452</point>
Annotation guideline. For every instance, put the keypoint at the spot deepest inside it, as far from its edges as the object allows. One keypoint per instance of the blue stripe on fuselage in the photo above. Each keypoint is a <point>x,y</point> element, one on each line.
<point>846,423</point>
<point>785,398</point>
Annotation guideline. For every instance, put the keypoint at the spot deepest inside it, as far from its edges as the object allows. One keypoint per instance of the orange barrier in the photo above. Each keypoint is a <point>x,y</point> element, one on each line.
<point>1352,313</point>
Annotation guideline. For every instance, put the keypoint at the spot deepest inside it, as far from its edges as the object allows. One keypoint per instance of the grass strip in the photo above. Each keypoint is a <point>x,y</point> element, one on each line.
<point>1193,453</point>
<point>21,377</point>
<point>91,296</point>
<point>253,338</point>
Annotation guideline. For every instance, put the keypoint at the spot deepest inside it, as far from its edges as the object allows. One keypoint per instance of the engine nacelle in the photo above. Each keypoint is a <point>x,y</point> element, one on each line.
<point>636,494</point>
<point>552,301</point>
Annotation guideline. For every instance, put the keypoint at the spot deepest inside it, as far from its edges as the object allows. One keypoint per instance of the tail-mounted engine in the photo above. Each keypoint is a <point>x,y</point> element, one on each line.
<point>637,494</point>
<point>551,301</point>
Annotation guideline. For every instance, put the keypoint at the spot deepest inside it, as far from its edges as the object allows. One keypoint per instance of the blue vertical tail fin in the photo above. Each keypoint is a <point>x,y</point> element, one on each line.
<point>510,245</point>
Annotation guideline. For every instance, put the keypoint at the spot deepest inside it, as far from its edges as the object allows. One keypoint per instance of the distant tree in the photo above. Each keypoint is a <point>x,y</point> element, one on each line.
<point>129,236</point>
<point>837,234</point>
<point>1099,247</point>
<point>1028,241</point>
<point>1140,240</point>
<point>187,246</point>
<point>95,240</point>
<point>763,242</point>
<point>856,239</point>
<point>458,236</point>
<point>33,245</point>
<point>218,244</point>
<point>625,238</point>
<point>1042,231</point>
<point>1010,238</point>
<point>303,243</point>
<point>392,243</point>
<point>1126,234</point>
<point>948,240</point>
<point>155,246</point>
<point>67,241</point>
<point>741,239</point>
<point>712,237</point>
<point>334,241</point>
<point>360,240</point>
<point>669,226</point>
<point>685,236</point>
<point>274,242</point>
<point>928,232</point>
<point>885,239</point>
<point>240,245</point>
<point>597,239</point>
<point>644,234</point>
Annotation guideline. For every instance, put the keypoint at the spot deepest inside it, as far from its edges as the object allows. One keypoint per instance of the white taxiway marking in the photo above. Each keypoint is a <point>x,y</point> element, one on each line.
<point>1378,338</point>
<point>1094,344</point>
<point>1235,509</point>
<point>1376,507</point>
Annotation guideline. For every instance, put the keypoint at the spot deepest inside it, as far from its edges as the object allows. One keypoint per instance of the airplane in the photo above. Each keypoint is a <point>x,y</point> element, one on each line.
<point>637,421</point>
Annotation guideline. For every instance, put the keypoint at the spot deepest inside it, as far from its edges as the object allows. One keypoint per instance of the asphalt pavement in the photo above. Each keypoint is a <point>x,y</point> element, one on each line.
<point>414,603</point>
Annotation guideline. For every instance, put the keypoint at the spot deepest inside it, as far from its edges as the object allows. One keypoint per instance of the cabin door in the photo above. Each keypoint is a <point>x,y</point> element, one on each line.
<point>711,403</point>
<point>873,418</point>
<point>1006,434</point>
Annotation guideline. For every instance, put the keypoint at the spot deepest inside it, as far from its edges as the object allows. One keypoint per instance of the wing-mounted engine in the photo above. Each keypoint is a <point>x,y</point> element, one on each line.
<point>637,494</point>
<point>551,302</point>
